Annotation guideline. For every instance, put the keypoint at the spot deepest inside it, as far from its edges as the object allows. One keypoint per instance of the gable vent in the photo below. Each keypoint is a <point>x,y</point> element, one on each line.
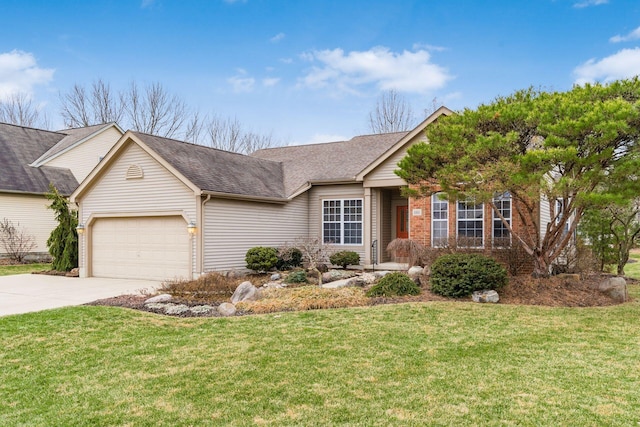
<point>134,172</point>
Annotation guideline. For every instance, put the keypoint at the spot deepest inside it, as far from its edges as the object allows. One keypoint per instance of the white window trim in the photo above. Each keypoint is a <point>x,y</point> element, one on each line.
<point>477,219</point>
<point>495,218</point>
<point>342,221</point>
<point>435,198</point>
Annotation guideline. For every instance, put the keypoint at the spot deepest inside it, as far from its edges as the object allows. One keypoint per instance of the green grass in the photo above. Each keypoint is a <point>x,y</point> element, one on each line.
<point>633,269</point>
<point>7,270</point>
<point>408,365</point>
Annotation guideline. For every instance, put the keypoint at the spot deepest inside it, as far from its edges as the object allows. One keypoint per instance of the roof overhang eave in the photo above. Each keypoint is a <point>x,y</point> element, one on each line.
<point>246,197</point>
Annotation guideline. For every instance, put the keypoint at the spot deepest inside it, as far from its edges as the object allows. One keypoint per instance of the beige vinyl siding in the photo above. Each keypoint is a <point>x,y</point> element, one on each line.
<point>157,191</point>
<point>31,212</point>
<point>231,227</point>
<point>386,170</point>
<point>545,215</point>
<point>319,193</point>
<point>82,159</point>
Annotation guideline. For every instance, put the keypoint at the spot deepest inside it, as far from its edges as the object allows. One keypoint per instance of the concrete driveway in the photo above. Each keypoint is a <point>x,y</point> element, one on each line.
<point>23,293</point>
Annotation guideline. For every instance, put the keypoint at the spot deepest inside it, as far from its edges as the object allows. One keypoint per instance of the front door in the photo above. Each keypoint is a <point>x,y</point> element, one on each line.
<point>402,222</point>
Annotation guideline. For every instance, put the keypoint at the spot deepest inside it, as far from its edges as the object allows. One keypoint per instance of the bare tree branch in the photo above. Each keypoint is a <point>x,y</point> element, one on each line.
<point>392,114</point>
<point>20,110</point>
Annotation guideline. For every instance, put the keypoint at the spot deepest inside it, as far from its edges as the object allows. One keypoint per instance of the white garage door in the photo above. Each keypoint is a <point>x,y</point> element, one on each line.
<point>153,248</point>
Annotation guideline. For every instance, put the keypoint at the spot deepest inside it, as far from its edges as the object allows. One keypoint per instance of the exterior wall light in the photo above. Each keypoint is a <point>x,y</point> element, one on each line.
<point>80,228</point>
<point>191,228</point>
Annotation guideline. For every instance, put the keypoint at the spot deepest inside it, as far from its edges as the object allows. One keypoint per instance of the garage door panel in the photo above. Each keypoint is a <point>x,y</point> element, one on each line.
<point>155,248</point>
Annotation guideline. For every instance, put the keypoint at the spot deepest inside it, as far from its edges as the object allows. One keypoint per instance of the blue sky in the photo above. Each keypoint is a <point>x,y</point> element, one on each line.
<point>311,71</point>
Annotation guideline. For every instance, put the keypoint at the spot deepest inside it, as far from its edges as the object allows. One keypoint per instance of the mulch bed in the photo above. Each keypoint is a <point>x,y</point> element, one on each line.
<point>521,290</point>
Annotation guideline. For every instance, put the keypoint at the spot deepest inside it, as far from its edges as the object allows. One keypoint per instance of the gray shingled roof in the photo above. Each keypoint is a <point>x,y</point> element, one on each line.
<point>72,136</point>
<point>19,147</point>
<point>219,171</point>
<point>329,161</point>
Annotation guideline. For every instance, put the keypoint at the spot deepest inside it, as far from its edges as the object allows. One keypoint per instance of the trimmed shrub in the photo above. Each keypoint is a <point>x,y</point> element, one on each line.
<point>288,258</point>
<point>261,258</point>
<point>345,258</point>
<point>394,284</point>
<point>299,276</point>
<point>459,275</point>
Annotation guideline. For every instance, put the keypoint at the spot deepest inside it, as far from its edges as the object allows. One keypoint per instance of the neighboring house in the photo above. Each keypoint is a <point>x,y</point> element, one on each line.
<point>31,159</point>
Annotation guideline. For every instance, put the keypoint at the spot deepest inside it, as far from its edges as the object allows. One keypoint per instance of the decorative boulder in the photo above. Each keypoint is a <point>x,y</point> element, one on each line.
<point>159,298</point>
<point>275,276</point>
<point>415,272</point>
<point>244,292</point>
<point>615,287</point>
<point>226,309</point>
<point>485,296</point>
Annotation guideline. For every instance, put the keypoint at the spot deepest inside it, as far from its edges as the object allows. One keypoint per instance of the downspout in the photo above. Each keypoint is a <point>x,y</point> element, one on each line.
<point>201,239</point>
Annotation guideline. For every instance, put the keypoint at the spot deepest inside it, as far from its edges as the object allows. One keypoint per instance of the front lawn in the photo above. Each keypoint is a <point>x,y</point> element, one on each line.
<point>7,270</point>
<point>436,363</point>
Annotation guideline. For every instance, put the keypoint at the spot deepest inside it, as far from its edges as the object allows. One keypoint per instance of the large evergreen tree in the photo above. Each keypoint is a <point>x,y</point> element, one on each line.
<point>572,149</point>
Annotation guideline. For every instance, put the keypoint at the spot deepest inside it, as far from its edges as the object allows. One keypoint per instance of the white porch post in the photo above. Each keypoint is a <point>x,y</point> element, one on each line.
<point>368,224</point>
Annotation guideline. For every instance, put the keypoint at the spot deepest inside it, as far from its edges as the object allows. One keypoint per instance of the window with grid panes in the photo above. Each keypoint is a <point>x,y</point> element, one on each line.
<point>342,221</point>
<point>501,235</point>
<point>439,220</point>
<point>470,224</point>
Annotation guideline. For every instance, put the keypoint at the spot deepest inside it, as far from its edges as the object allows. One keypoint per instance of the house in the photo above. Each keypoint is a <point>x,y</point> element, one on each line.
<point>157,208</point>
<point>31,159</point>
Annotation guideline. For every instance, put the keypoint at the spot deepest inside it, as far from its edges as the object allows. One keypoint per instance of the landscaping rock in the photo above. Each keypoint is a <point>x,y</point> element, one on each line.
<point>338,284</point>
<point>159,298</point>
<point>156,305</point>
<point>227,309</point>
<point>275,276</point>
<point>333,275</point>
<point>75,272</point>
<point>615,287</point>
<point>485,296</point>
<point>202,309</point>
<point>276,285</point>
<point>245,292</point>
<point>415,272</point>
<point>176,309</point>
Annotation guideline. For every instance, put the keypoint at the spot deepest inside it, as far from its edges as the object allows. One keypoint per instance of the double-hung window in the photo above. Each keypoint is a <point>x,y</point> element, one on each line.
<point>470,224</point>
<point>342,221</point>
<point>439,220</point>
<point>501,234</point>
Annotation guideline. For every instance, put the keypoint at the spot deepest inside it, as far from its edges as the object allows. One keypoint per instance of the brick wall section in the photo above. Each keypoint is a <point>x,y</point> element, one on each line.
<point>420,225</point>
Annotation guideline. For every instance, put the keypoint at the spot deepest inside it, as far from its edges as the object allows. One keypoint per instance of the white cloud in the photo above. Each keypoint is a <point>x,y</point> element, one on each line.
<point>277,38</point>
<point>620,65</point>
<point>240,83</point>
<point>430,47</point>
<point>406,71</point>
<point>270,81</point>
<point>587,3</point>
<point>286,60</point>
<point>633,35</point>
<point>19,73</point>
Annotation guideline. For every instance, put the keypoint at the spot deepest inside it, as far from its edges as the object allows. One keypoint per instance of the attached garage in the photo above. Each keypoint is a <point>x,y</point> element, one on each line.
<point>151,248</point>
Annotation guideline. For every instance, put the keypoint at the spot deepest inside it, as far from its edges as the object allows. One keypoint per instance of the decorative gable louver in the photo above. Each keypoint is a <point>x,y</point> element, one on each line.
<point>134,172</point>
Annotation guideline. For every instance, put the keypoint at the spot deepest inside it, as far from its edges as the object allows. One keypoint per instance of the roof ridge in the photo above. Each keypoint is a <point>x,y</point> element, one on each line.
<point>32,128</point>
<point>332,142</point>
<point>206,147</point>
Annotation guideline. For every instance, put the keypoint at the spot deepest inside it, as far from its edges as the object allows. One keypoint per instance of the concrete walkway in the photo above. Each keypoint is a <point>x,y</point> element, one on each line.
<point>23,293</point>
